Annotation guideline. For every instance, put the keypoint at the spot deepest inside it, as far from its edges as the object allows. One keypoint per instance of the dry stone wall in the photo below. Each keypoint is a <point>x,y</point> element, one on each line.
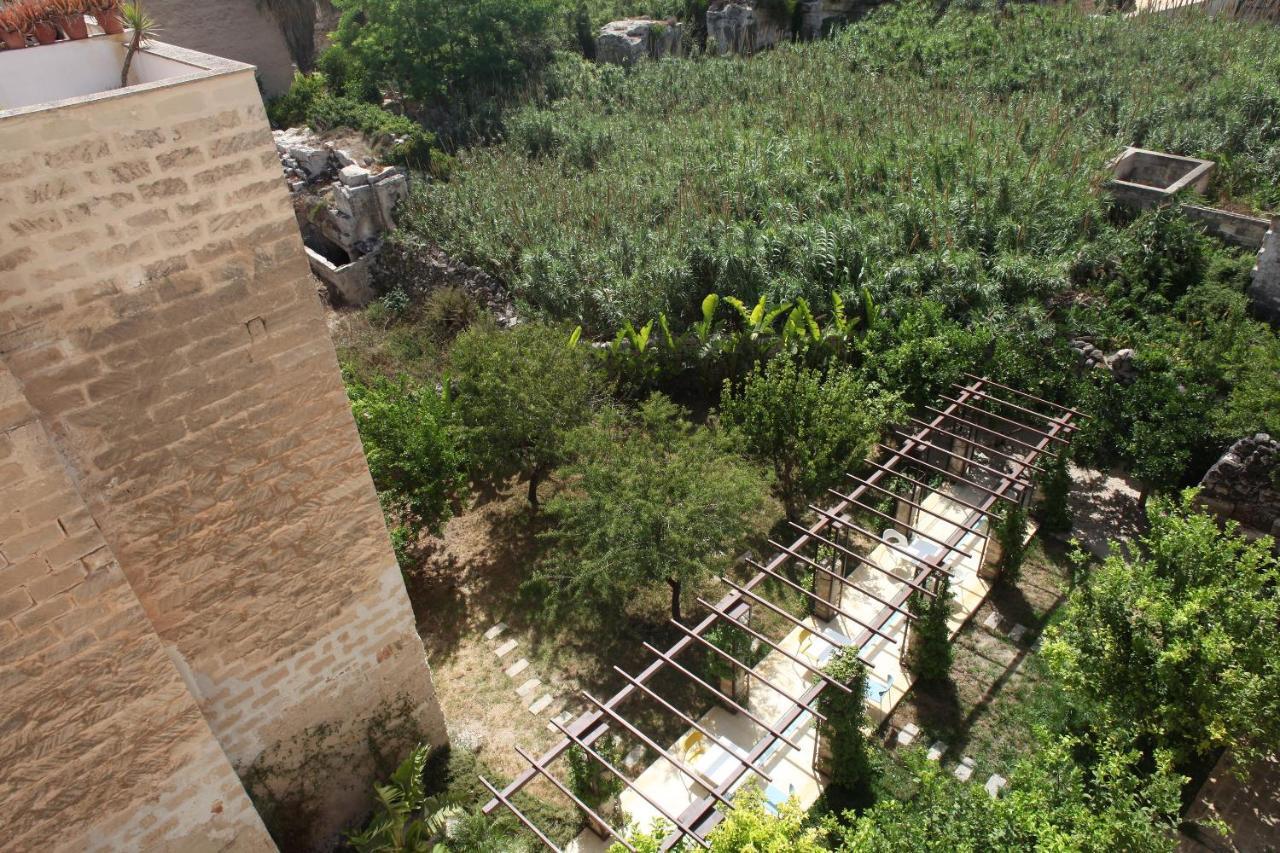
<point>157,312</point>
<point>1245,484</point>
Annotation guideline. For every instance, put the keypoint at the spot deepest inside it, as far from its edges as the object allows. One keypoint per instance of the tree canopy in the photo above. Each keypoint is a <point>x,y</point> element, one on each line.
<point>1177,639</point>
<point>520,393</point>
<point>649,498</point>
<point>810,425</point>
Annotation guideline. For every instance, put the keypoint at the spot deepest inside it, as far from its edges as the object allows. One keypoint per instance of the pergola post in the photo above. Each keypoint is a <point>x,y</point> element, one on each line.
<point>906,513</point>
<point>826,587</point>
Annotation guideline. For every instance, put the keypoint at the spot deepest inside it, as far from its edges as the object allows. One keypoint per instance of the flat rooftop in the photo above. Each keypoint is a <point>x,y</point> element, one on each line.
<point>68,72</point>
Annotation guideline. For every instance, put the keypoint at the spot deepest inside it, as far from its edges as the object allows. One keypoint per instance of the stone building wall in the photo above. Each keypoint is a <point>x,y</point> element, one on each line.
<point>80,666</point>
<point>236,29</point>
<point>156,309</point>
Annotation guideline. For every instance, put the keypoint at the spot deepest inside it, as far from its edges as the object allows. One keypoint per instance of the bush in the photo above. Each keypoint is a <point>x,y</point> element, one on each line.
<point>450,310</point>
<point>399,139</point>
<point>410,440</point>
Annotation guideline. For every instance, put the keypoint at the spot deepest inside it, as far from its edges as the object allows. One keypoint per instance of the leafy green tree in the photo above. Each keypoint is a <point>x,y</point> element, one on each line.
<point>650,498</point>
<point>430,50</point>
<point>850,763</point>
<point>1176,638</point>
<point>520,393</point>
<point>1011,534</point>
<point>749,826</point>
<point>1052,803</point>
<point>1054,511</point>
<point>810,425</point>
<point>588,778</point>
<point>410,439</point>
<point>929,654</point>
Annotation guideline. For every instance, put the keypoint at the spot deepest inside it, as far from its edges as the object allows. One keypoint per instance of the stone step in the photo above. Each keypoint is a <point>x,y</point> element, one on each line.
<point>995,785</point>
<point>908,735</point>
<point>992,622</point>
<point>541,704</point>
<point>562,718</point>
<point>936,751</point>
<point>496,631</point>
<point>506,648</point>
<point>1017,633</point>
<point>529,686</point>
<point>517,668</point>
<point>964,770</point>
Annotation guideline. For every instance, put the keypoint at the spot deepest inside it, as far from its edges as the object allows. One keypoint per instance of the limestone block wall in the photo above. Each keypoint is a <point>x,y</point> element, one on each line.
<point>156,308</point>
<point>236,29</point>
<point>80,668</point>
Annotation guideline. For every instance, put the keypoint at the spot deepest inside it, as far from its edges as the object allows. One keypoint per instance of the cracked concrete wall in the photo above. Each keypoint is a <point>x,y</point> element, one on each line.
<point>157,311</point>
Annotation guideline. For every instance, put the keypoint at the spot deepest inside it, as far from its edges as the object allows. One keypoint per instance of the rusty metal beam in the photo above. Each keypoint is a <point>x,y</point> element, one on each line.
<point>1032,397</point>
<point>957,477</point>
<point>511,807</point>
<point>915,558</point>
<point>848,584</point>
<point>895,472</point>
<point>989,431</point>
<point>814,596</point>
<point>1005,420</point>
<point>967,460</point>
<point>676,822</point>
<point>676,665</point>
<point>1041,415</point>
<point>749,670</point>
<point>986,448</point>
<point>835,682</point>
<point>872,564</point>
<point>917,531</point>
<point>560,786</point>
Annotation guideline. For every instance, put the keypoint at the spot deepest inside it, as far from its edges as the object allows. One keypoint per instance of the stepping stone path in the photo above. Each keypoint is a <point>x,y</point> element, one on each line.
<point>964,770</point>
<point>992,622</point>
<point>937,751</point>
<point>496,631</point>
<point>1018,632</point>
<point>528,687</point>
<point>506,648</point>
<point>562,718</point>
<point>541,704</point>
<point>995,785</point>
<point>516,668</point>
<point>908,735</point>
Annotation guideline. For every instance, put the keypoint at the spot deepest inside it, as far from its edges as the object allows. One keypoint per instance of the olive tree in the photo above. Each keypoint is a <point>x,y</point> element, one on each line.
<point>809,425</point>
<point>520,393</point>
<point>649,498</point>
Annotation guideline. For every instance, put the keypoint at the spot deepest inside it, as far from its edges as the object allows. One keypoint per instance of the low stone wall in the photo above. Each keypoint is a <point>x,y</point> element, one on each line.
<point>1264,289</point>
<point>1245,484</point>
<point>1236,228</point>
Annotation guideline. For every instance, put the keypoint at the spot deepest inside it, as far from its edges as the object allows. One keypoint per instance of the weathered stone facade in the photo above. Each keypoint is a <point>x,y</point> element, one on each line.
<point>194,571</point>
<point>236,29</point>
<point>626,41</point>
<point>1245,484</point>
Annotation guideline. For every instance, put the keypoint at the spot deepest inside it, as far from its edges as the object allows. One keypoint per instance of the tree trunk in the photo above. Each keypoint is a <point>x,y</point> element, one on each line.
<point>135,41</point>
<point>675,598</point>
<point>534,478</point>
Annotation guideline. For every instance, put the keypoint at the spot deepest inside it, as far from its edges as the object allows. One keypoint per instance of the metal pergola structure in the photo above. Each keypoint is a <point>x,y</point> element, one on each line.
<point>987,438</point>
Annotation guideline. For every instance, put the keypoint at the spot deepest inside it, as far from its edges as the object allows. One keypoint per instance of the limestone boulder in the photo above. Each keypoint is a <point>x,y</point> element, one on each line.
<point>743,26</point>
<point>626,41</point>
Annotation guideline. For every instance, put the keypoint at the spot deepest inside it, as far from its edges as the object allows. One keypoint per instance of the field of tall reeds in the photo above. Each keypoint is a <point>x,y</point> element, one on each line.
<point>958,158</point>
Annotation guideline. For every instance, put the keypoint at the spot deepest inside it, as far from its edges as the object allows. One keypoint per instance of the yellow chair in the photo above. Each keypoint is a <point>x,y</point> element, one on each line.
<point>806,642</point>
<point>692,746</point>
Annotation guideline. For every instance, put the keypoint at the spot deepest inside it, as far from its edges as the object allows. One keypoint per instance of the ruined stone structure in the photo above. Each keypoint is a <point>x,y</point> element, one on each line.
<point>195,579</point>
<point>343,207</point>
<point>1245,484</point>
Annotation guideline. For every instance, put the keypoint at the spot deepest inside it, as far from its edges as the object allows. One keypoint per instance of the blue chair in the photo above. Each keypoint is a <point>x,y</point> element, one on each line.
<point>877,690</point>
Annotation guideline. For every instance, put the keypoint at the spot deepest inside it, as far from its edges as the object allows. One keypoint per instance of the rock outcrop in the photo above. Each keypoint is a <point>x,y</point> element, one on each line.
<point>1264,290</point>
<point>344,208</point>
<point>744,27</point>
<point>1245,484</point>
<point>626,41</point>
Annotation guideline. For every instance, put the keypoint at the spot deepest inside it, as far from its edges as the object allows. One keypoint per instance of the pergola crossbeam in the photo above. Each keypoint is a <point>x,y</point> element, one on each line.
<point>1024,395</point>
<point>1006,420</point>
<point>990,469</point>
<point>562,788</point>
<point>986,448</point>
<point>989,431</point>
<point>915,530</point>
<point>815,597</point>
<point>519,815</point>
<point>1041,415</point>
<point>867,562</point>
<point>836,576</point>
<point>915,558</point>
<point>956,477</point>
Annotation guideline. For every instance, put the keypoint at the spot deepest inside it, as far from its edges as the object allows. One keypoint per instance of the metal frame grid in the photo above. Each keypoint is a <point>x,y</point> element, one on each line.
<point>949,440</point>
